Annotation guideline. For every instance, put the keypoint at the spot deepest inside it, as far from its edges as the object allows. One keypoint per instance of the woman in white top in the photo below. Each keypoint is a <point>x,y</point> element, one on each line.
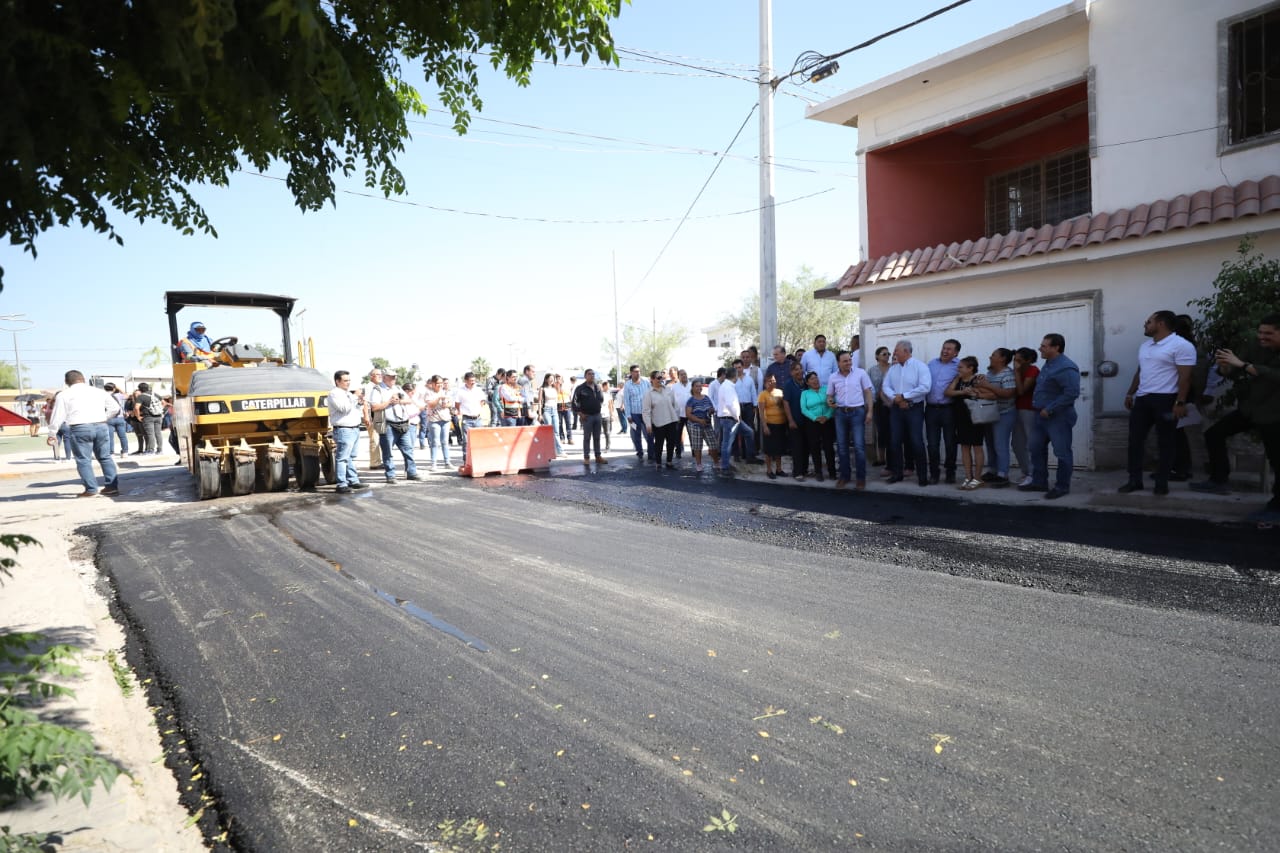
<point>548,405</point>
<point>661,419</point>
<point>438,413</point>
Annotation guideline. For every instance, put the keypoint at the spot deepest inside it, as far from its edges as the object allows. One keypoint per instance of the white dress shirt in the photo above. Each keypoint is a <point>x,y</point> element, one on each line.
<point>344,408</point>
<point>682,392</point>
<point>912,380</point>
<point>82,404</point>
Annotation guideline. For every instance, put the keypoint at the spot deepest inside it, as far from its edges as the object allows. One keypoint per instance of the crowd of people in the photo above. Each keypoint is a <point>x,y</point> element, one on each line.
<point>812,413</point>
<point>818,413</point>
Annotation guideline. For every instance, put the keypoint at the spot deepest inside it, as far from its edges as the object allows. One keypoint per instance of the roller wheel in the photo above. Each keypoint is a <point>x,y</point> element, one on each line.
<point>328,466</point>
<point>275,474</point>
<point>243,478</point>
<point>309,473</point>
<point>210,480</point>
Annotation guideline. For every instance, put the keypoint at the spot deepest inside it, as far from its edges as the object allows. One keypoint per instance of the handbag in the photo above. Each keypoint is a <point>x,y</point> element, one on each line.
<point>983,411</point>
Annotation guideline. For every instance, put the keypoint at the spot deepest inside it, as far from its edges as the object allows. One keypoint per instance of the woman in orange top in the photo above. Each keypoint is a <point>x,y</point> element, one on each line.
<point>773,423</point>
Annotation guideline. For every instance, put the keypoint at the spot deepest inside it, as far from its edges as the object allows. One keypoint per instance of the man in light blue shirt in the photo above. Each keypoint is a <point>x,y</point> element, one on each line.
<point>905,387</point>
<point>633,391</point>
<point>939,415</point>
<point>820,360</point>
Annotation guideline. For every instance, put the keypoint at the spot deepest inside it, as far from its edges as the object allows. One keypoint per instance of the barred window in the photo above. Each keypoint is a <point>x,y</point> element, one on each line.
<point>1253,77</point>
<point>1050,191</point>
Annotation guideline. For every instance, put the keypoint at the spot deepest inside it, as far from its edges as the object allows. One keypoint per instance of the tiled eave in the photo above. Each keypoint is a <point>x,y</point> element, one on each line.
<point>1226,203</point>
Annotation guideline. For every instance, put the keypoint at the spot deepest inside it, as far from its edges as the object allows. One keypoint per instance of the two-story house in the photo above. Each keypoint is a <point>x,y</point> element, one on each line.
<point>1070,174</point>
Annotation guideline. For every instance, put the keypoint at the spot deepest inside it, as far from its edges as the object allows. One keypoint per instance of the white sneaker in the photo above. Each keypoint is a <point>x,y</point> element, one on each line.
<point>1026,481</point>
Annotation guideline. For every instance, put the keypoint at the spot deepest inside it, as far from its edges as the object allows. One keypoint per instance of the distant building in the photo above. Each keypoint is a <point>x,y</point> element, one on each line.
<point>1071,174</point>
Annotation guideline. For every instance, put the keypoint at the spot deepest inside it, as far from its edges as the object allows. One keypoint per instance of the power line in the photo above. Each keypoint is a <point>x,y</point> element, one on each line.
<point>545,220</point>
<point>685,218</point>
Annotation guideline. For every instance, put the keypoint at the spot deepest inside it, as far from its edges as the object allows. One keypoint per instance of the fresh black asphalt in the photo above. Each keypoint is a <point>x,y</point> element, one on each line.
<point>607,662</point>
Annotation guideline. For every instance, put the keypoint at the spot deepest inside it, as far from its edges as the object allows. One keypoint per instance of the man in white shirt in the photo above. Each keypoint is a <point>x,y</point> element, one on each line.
<point>681,391</point>
<point>85,410</point>
<point>820,360</point>
<point>1158,397</point>
<point>748,392</point>
<point>470,399</point>
<point>905,387</point>
<point>373,421</point>
<point>728,419</point>
<point>346,410</point>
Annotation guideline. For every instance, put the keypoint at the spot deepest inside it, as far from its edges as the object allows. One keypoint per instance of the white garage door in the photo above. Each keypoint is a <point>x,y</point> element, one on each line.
<point>981,332</point>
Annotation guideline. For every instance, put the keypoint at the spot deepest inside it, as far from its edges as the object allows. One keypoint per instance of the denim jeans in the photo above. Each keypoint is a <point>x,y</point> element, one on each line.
<point>403,442</point>
<point>1152,410</point>
<point>467,423</point>
<point>347,439</point>
<point>1023,425</point>
<point>940,424</point>
<point>591,428</point>
<point>423,429</point>
<point>1055,430</point>
<point>999,435</point>
<point>438,438</point>
<point>90,441</point>
<point>729,430</point>
<point>638,430</point>
<point>553,419</point>
<point>606,429</point>
<point>907,425</point>
<point>117,429</point>
<point>851,423</point>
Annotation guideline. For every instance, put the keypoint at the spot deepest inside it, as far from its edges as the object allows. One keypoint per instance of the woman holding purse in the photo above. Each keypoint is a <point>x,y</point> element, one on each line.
<point>969,435</point>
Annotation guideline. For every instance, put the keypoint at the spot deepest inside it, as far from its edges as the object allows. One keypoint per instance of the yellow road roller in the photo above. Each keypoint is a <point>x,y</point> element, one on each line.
<point>246,422</point>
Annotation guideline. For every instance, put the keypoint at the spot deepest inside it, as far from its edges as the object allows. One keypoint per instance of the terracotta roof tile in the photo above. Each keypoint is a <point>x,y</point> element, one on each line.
<point>1249,198</point>
<point>1201,208</point>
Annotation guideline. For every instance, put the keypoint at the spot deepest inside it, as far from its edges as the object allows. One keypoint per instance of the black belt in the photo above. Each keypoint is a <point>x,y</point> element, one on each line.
<point>471,417</point>
<point>397,423</point>
<point>849,408</point>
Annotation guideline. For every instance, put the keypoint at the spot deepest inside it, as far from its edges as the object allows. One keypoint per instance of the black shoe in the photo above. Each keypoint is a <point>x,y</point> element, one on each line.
<point>111,492</point>
<point>998,482</point>
<point>1211,488</point>
<point>1160,489</point>
<point>355,486</point>
<point>926,483</point>
<point>1055,493</point>
<point>671,465</point>
<point>934,478</point>
<point>896,478</point>
<point>990,477</point>
<point>1128,488</point>
<point>1032,487</point>
<point>342,490</point>
<point>413,476</point>
<point>951,479</point>
<point>1179,478</point>
<point>771,475</point>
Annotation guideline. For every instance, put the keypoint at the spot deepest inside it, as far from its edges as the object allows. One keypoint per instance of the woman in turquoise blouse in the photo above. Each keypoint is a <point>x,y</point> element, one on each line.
<point>821,429</point>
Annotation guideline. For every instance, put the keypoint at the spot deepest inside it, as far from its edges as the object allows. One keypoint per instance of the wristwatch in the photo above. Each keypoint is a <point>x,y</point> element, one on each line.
<point>1244,368</point>
<point>1180,402</point>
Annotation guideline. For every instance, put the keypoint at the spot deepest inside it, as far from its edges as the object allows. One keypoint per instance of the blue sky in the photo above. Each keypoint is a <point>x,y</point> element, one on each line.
<point>592,163</point>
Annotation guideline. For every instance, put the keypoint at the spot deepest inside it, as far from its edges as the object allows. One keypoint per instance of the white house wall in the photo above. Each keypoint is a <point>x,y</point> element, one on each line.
<point>1157,75</point>
<point>1123,289</point>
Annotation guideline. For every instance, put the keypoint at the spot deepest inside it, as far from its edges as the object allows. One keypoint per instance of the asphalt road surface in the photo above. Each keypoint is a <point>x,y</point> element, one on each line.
<point>632,660</point>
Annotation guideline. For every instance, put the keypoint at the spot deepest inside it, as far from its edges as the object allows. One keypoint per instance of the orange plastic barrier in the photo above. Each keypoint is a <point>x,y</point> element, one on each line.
<point>508,450</point>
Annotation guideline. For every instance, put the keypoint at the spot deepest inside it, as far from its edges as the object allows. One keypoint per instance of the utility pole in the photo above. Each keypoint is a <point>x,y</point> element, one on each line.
<point>768,235</point>
<point>617,338</point>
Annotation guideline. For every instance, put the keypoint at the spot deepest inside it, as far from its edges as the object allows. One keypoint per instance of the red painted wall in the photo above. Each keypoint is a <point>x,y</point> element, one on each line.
<point>933,190</point>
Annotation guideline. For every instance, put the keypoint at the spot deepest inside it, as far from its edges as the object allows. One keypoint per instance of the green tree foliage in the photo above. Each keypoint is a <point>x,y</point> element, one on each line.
<point>9,375</point>
<point>800,316</point>
<point>649,348</point>
<point>1246,289</point>
<point>130,105</point>
<point>38,756</point>
<point>480,367</point>
<point>267,350</point>
<point>154,357</point>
